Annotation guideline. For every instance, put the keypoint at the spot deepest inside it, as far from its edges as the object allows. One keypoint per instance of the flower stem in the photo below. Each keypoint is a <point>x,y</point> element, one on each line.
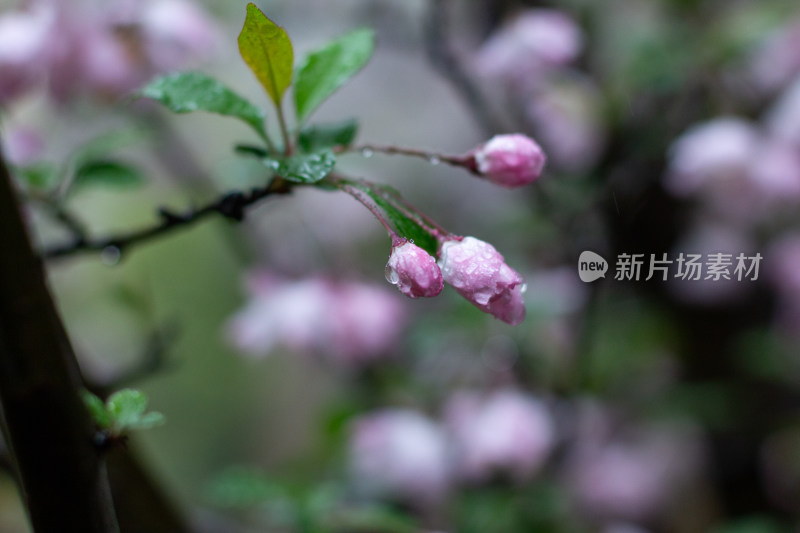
<point>355,192</point>
<point>463,161</point>
<point>287,142</point>
<point>400,203</point>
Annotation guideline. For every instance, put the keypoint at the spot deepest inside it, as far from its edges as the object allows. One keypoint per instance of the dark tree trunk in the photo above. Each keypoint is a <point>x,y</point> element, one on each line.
<point>47,428</point>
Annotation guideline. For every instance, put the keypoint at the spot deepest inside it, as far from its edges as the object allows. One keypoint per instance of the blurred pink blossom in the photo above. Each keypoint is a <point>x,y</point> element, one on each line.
<point>739,171</point>
<point>108,60</point>
<point>22,146</point>
<point>634,478</point>
<point>502,432</point>
<point>620,527</point>
<point>510,160</point>
<point>479,273</point>
<point>399,453</point>
<point>777,59</point>
<point>781,261</point>
<point>104,51</point>
<point>565,116</point>
<point>534,40</point>
<point>775,173</point>
<point>175,31</point>
<point>414,271</point>
<point>364,322</point>
<point>347,321</point>
<point>783,118</point>
<point>715,151</point>
<point>24,38</point>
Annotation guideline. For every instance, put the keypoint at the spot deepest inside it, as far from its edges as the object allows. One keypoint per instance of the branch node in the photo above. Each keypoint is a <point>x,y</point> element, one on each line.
<point>232,206</point>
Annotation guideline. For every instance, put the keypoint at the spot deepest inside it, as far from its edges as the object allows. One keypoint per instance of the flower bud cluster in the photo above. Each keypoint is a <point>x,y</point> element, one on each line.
<point>473,267</point>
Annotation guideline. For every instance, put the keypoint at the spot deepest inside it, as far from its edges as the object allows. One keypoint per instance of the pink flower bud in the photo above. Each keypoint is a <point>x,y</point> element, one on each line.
<point>510,160</point>
<point>479,273</point>
<point>414,271</point>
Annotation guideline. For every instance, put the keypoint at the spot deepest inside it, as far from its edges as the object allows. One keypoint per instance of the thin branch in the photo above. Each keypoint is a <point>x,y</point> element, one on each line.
<point>60,213</point>
<point>449,66</point>
<point>465,161</point>
<point>231,206</point>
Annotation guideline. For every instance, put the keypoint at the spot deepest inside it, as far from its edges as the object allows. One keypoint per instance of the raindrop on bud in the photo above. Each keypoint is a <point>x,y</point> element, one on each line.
<point>391,275</point>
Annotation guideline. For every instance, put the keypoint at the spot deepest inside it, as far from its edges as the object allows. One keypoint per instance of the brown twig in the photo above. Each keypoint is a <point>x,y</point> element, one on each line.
<point>231,206</point>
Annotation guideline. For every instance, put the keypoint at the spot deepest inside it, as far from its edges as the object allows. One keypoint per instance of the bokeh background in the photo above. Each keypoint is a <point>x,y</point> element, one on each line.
<point>303,393</point>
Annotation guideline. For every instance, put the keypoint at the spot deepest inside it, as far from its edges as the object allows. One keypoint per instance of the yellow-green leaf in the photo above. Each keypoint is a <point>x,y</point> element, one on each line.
<point>267,50</point>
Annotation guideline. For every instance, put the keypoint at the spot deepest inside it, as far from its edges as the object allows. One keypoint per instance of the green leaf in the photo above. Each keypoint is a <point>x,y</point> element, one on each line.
<point>146,421</point>
<point>320,136</point>
<point>373,518</point>
<point>97,409</point>
<point>185,92</point>
<point>126,407</point>
<point>267,50</point>
<point>99,147</point>
<point>404,225</point>
<point>249,150</point>
<point>305,168</point>
<point>752,524</point>
<point>107,172</point>
<point>37,175</point>
<point>325,70</point>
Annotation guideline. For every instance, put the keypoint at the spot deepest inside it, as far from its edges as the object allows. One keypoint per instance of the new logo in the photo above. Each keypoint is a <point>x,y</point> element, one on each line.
<point>591,266</point>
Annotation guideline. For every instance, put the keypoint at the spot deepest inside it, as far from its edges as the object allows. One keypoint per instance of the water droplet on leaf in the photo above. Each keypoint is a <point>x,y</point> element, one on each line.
<point>366,152</point>
<point>434,160</point>
<point>111,255</point>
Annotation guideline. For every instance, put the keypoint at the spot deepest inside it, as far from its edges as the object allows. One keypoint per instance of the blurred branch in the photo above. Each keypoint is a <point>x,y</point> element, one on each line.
<point>184,169</point>
<point>444,58</point>
<point>56,209</point>
<point>152,361</point>
<point>231,206</point>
